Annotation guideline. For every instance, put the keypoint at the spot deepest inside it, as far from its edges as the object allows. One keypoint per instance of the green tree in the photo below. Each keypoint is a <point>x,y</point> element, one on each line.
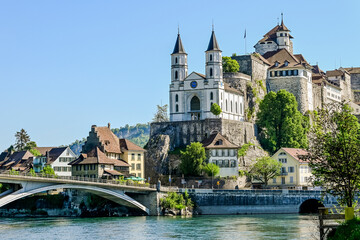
<point>334,152</point>
<point>280,123</point>
<point>230,65</point>
<point>192,159</point>
<point>30,145</point>
<point>264,169</point>
<point>161,114</point>
<point>22,138</point>
<point>47,170</point>
<point>211,169</point>
<point>215,109</point>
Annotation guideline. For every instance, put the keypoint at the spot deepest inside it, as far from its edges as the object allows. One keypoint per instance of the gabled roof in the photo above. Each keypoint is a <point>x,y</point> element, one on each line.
<point>96,156</point>
<point>336,72</point>
<point>283,55</point>
<point>55,154</point>
<point>108,139</point>
<point>271,35</point>
<point>178,46</point>
<point>353,70</point>
<point>213,44</point>
<point>127,145</point>
<point>296,153</point>
<point>191,75</point>
<point>16,159</point>
<point>43,150</point>
<point>217,140</point>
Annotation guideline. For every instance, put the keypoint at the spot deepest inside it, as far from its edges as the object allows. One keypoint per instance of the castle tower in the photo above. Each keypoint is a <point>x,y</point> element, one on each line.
<point>213,69</point>
<point>179,68</point>
<point>283,36</point>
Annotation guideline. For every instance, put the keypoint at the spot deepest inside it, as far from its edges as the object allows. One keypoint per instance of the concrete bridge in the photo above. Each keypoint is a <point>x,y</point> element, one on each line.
<point>259,201</point>
<point>138,196</point>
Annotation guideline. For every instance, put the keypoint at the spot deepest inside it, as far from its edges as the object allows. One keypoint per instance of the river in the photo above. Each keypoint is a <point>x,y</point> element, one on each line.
<point>280,226</point>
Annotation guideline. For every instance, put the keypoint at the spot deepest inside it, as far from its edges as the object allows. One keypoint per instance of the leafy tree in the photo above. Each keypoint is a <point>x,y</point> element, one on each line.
<point>192,159</point>
<point>32,172</point>
<point>334,152</point>
<point>280,122</point>
<point>47,170</point>
<point>30,145</point>
<point>264,169</point>
<point>215,109</point>
<point>177,201</point>
<point>211,169</point>
<point>35,152</point>
<point>161,114</point>
<point>22,138</point>
<point>11,149</point>
<point>230,65</point>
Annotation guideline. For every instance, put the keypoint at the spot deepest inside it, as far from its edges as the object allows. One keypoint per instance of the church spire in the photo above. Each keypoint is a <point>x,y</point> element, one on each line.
<point>179,48</point>
<point>213,44</point>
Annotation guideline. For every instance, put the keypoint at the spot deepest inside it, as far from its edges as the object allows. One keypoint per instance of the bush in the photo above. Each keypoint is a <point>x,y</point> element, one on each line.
<point>176,201</point>
<point>211,169</point>
<point>215,109</point>
<point>349,230</point>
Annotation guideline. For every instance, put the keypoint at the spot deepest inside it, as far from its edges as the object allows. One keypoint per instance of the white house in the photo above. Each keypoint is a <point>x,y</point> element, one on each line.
<point>57,158</point>
<point>222,153</point>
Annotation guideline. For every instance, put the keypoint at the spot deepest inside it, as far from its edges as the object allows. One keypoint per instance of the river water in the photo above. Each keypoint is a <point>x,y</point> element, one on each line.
<point>280,226</point>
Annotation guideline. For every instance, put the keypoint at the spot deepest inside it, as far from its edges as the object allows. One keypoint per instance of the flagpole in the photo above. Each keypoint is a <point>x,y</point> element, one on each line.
<point>245,41</point>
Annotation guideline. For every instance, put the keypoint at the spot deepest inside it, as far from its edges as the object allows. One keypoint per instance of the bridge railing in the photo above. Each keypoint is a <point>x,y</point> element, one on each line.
<point>13,174</point>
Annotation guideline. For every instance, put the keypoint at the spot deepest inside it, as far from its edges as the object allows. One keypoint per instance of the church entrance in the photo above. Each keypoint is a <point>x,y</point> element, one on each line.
<point>195,108</point>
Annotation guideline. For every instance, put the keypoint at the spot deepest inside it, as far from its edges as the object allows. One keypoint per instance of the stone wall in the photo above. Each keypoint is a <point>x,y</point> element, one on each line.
<point>318,96</point>
<point>251,65</point>
<point>355,81</point>
<point>294,85</point>
<point>356,96</point>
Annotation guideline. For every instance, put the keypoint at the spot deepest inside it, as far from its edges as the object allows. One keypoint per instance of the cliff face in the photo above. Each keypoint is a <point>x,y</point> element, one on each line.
<point>166,136</point>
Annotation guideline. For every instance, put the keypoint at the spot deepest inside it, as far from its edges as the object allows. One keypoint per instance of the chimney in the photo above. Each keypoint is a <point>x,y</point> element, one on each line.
<point>109,125</point>
<point>47,156</point>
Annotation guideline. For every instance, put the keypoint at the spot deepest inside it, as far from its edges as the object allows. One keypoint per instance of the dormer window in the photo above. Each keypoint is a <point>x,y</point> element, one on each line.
<point>219,142</point>
<point>276,64</point>
<point>286,63</point>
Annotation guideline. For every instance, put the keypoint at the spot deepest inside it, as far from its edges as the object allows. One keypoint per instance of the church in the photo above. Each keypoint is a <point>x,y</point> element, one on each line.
<point>191,96</point>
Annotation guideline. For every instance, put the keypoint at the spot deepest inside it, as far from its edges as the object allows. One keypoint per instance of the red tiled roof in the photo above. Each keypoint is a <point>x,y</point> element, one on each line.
<point>127,145</point>
<point>296,153</point>
<point>217,140</point>
<point>108,139</point>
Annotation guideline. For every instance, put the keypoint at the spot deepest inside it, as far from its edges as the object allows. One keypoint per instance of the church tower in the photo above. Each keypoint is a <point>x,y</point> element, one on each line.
<point>179,67</point>
<point>213,69</point>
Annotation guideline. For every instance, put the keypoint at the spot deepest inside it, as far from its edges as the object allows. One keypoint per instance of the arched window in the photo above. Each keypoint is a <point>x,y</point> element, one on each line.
<point>195,104</point>
<point>176,75</point>
<point>211,72</point>
<point>211,105</point>
<point>236,108</point>
<point>210,57</point>
<point>240,108</point>
<point>177,108</point>
<point>211,96</point>
<point>176,98</point>
<point>226,105</point>
<point>231,110</point>
<point>176,60</point>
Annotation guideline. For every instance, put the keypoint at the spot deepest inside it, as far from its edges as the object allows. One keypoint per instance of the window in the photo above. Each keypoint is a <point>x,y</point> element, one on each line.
<point>176,75</point>
<point>139,156</point>
<point>211,57</point>
<point>283,180</point>
<point>283,160</point>
<point>133,156</point>
<point>276,73</point>
<point>138,166</point>
<point>211,72</point>
<point>276,64</point>
<point>195,104</point>
<point>233,163</point>
<point>281,34</point>
<point>211,96</point>
<point>285,34</point>
<point>64,169</point>
<point>291,169</point>
<point>139,175</point>
<point>283,170</point>
<point>291,179</point>
<point>274,180</point>
<point>213,153</point>
<point>236,108</point>
<point>177,108</point>
<point>176,60</point>
<point>226,107</point>
<point>219,142</point>
<point>286,62</point>
<point>226,163</point>
<point>176,98</point>
<point>133,166</point>
<point>296,72</point>
<point>231,110</point>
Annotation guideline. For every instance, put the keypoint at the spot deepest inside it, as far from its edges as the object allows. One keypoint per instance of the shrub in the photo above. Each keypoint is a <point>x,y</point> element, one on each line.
<point>176,201</point>
<point>349,230</point>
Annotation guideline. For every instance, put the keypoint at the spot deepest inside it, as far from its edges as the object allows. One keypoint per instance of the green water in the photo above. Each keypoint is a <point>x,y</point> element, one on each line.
<point>202,227</point>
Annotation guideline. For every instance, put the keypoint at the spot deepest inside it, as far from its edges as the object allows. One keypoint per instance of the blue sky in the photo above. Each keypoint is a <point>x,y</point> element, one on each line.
<point>65,65</point>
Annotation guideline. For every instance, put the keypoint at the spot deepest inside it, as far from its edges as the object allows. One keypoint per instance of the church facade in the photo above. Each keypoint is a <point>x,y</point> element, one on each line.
<point>191,96</point>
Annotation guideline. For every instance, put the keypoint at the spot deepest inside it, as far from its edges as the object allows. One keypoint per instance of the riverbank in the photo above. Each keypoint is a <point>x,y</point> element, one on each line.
<point>279,227</point>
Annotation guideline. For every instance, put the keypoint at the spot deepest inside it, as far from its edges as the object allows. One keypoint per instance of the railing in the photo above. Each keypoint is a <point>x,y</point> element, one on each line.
<point>324,215</point>
<point>41,176</point>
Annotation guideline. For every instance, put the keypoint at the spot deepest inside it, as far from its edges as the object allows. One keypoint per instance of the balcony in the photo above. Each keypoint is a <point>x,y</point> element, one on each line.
<point>283,173</point>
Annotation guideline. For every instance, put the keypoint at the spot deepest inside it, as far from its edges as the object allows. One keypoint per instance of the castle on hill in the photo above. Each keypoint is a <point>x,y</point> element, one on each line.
<point>272,67</point>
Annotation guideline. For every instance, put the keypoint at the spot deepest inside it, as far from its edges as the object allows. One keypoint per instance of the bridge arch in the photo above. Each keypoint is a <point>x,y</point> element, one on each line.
<point>310,206</point>
<point>113,195</point>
